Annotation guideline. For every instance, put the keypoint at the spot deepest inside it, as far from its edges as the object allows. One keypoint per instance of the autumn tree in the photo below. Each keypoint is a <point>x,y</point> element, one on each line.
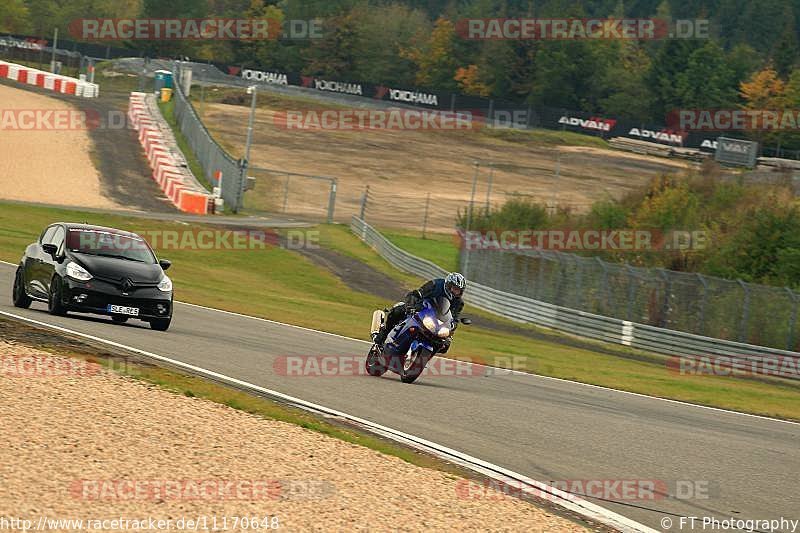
<point>14,16</point>
<point>469,82</point>
<point>435,57</point>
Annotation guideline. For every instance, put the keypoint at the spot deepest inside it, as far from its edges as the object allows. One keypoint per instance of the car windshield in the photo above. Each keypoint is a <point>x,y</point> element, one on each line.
<point>109,244</point>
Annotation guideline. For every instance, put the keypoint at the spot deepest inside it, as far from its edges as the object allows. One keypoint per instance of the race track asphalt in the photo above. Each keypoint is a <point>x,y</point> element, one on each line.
<point>544,428</point>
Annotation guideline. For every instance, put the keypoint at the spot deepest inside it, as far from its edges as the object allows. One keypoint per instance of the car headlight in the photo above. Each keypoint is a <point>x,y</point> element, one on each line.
<point>165,284</point>
<point>444,332</point>
<point>75,271</point>
<point>429,323</point>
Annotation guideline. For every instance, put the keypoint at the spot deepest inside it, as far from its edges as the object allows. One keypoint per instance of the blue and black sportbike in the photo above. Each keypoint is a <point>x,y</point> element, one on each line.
<point>414,341</point>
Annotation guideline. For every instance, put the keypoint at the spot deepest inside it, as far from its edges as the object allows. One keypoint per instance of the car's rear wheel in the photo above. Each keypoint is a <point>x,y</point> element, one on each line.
<point>55,301</point>
<point>18,295</point>
<point>160,324</point>
<point>119,319</point>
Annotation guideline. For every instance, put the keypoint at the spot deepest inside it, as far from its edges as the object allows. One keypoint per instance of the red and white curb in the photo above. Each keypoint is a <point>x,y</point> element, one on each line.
<point>48,80</point>
<point>171,174</point>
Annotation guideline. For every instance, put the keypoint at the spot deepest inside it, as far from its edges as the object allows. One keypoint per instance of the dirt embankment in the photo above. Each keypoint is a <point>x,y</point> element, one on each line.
<point>83,443</point>
<point>45,165</point>
<point>101,166</point>
<point>403,166</point>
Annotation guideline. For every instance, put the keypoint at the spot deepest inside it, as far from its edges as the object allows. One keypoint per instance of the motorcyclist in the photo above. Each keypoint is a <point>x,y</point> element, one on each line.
<point>451,287</point>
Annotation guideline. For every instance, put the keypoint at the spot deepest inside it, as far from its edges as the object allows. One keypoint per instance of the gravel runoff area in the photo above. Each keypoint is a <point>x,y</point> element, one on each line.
<point>81,442</point>
<point>50,162</point>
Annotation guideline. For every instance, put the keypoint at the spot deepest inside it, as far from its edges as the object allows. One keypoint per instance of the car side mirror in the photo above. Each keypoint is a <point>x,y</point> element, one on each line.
<point>51,249</point>
<point>466,321</point>
<point>164,264</point>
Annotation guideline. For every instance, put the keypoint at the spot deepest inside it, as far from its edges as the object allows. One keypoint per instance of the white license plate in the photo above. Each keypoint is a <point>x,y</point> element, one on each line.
<point>122,310</point>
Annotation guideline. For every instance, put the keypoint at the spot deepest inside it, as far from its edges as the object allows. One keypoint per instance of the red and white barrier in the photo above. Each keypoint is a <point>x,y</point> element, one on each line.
<point>48,80</point>
<point>175,180</point>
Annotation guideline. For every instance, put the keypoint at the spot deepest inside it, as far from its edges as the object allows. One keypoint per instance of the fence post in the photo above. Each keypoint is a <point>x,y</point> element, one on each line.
<point>242,184</point>
<point>465,266</point>
<point>579,282</point>
<point>631,291</point>
<point>286,192</point>
<point>745,311</point>
<point>364,199</point>
<point>702,326</point>
<point>332,201</point>
<point>667,293</point>
<point>489,187</point>
<point>793,320</point>
<point>540,278</point>
<point>605,284</point>
<point>425,218</point>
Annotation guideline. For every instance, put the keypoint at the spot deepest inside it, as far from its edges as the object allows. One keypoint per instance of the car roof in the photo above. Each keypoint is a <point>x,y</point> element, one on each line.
<point>92,227</point>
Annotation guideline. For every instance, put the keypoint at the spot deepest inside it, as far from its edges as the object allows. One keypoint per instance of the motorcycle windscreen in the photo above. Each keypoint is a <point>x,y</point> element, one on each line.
<point>442,308</point>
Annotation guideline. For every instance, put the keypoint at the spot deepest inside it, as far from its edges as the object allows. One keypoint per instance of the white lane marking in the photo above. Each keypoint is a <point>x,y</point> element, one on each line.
<point>570,501</point>
<point>505,370</point>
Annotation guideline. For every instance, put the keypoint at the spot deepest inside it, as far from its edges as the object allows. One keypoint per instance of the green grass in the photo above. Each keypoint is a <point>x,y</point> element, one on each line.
<point>168,111</point>
<point>339,238</point>
<point>439,248</point>
<point>289,286</point>
<point>111,81</point>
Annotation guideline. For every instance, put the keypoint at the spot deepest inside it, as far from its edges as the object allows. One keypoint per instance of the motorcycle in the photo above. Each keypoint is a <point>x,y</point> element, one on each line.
<point>413,341</point>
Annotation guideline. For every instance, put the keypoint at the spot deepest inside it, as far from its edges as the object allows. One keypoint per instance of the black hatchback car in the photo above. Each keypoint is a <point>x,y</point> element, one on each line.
<point>93,269</point>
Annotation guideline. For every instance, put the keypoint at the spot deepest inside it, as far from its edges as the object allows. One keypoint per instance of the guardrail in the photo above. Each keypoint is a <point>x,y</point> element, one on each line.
<point>614,330</point>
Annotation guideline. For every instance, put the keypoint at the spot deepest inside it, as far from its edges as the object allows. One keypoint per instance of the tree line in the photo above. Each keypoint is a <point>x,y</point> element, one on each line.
<point>749,58</point>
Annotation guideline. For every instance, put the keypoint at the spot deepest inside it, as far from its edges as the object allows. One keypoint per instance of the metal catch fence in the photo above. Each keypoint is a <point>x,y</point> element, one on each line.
<point>219,167</point>
<point>680,301</point>
<point>526,308</point>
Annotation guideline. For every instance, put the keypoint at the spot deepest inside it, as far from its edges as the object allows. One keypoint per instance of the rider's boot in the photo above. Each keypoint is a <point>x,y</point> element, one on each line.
<point>379,337</point>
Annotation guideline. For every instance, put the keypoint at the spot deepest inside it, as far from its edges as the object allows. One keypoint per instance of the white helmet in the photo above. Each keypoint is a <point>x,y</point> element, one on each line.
<point>454,285</point>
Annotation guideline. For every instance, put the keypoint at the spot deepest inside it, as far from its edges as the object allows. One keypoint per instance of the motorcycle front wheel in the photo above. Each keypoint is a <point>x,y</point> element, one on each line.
<point>414,364</point>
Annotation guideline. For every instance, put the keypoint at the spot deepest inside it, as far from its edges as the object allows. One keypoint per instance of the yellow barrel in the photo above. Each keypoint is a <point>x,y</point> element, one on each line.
<point>166,94</point>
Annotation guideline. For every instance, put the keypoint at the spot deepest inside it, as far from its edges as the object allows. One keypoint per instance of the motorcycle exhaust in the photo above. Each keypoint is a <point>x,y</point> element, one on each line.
<point>378,318</point>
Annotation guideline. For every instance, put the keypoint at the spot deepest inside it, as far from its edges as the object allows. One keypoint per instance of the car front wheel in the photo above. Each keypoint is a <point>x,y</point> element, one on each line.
<point>55,302</point>
<point>19,297</point>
